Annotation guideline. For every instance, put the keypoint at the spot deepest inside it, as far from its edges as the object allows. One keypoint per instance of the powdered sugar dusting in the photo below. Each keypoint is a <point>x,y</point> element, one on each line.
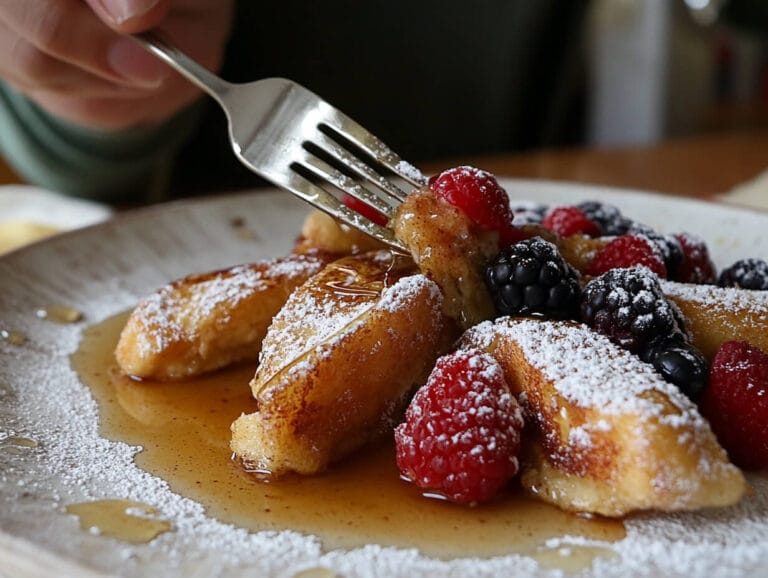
<point>176,310</point>
<point>42,399</point>
<point>721,298</point>
<point>587,369</point>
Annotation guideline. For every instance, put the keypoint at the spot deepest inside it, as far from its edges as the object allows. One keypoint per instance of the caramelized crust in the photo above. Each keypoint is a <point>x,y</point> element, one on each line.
<point>450,250</point>
<point>718,314</point>
<point>339,362</point>
<point>207,321</point>
<point>606,435</point>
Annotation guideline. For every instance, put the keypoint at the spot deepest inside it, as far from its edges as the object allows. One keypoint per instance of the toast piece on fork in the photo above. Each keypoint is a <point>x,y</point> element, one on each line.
<point>607,434</point>
<point>322,232</point>
<point>207,321</point>
<point>338,363</point>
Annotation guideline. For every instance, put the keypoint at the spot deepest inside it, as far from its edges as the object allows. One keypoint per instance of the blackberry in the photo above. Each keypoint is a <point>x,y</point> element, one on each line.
<point>528,213</point>
<point>669,246</point>
<point>629,307</point>
<point>748,273</point>
<point>531,277</point>
<point>679,363</point>
<point>608,217</point>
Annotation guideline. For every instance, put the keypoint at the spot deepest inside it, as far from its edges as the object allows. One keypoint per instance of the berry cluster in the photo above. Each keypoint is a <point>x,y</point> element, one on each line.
<point>462,431</point>
<point>629,307</point>
<point>681,257</point>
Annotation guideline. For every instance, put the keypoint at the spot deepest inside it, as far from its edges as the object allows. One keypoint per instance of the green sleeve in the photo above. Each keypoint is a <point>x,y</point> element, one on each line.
<point>109,166</point>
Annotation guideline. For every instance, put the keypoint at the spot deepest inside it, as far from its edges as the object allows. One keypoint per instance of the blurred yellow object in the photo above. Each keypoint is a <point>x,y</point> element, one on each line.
<point>14,234</point>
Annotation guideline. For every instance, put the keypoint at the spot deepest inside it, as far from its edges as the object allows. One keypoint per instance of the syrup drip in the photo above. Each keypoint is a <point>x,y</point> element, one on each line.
<point>121,519</point>
<point>18,445</point>
<point>60,314</point>
<point>184,430</point>
<point>13,337</point>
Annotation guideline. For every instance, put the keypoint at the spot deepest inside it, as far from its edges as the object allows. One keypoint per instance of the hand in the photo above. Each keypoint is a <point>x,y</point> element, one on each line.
<point>70,57</point>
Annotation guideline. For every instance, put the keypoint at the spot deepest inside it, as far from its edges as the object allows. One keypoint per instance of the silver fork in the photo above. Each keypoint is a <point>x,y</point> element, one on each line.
<point>292,138</point>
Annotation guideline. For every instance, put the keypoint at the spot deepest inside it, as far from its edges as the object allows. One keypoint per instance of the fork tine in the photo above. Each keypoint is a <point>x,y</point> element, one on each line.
<point>341,181</point>
<point>326,202</point>
<point>331,148</point>
<point>371,144</point>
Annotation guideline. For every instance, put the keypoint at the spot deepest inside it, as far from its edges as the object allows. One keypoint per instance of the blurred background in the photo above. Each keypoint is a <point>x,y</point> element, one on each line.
<point>659,69</point>
<point>444,80</point>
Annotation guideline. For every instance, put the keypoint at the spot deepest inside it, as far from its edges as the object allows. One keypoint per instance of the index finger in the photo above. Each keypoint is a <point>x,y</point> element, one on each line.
<point>131,16</point>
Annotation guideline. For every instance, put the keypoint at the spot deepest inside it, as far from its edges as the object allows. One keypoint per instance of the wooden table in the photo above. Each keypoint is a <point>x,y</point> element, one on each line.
<point>699,166</point>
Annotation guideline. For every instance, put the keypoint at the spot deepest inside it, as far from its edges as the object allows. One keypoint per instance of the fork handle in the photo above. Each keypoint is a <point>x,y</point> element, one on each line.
<point>176,59</point>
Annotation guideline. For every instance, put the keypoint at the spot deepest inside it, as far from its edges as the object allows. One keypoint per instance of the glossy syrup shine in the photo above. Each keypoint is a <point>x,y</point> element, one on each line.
<point>184,430</point>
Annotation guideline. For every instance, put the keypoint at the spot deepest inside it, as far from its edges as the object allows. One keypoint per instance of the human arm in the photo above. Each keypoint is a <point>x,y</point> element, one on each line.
<point>85,109</point>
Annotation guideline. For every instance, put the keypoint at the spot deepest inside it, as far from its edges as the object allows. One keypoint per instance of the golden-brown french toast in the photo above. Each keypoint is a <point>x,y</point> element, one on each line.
<point>715,315</point>
<point>606,434</point>
<point>339,361</point>
<point>450,250</point>
<point>322,232</point>
<point>207,321</point>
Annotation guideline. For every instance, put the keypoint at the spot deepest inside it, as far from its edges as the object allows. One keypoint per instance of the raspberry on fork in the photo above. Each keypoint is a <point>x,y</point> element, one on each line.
<point>479,195</point>
<point>461,434</point>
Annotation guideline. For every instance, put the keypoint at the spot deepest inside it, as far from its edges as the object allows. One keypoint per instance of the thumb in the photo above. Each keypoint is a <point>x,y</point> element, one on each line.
<point>130,16</point>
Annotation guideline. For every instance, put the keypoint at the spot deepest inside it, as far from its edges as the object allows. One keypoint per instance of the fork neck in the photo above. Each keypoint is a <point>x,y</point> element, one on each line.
<point>203,78</point>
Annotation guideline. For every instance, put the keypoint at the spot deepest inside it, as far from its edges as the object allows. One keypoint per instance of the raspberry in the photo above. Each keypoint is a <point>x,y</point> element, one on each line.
<point>736,402</point>
<point>479,195</point>
<point>531,277</point>
<point>628,251</point>
<point>746,273</point>
<point>607,217</point>
<point>679,363</point>
<point>696,265</point>
<point>461,434</point>
<point>629,307</point>
<point>567,221</point>
<point>365,210</point>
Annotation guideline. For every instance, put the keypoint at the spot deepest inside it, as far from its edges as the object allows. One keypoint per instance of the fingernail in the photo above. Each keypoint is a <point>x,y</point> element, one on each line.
<point>133,63</point>
<point>122,10</point>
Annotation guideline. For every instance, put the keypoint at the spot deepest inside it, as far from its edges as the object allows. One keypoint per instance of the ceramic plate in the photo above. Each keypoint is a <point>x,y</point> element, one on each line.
<point>107,268</point>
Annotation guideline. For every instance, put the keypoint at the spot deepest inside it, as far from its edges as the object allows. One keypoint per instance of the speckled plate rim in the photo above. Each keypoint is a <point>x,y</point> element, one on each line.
<point>195,235</point>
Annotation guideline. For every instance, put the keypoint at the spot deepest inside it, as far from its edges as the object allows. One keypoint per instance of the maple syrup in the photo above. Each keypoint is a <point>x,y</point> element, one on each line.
<point>18,445</point>
<point>183,428</point>
<point>60,314</point>
<point>121,519</point>
<point>13,337</point>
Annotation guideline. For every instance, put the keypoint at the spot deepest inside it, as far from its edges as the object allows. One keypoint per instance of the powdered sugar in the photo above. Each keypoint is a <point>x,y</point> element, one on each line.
<point>178,309</point>
<point>42,399</point>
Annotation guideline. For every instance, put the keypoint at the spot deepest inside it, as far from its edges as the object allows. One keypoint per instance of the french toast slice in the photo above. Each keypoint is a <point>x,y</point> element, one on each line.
<point>715,315</point>
<point>450,249</point>
<point>338,363</point>
<point>207,321</point>
<point>607,434</point>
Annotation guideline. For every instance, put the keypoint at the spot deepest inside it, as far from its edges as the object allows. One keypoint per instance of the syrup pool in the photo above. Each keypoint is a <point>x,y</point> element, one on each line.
<point>183,429</point>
